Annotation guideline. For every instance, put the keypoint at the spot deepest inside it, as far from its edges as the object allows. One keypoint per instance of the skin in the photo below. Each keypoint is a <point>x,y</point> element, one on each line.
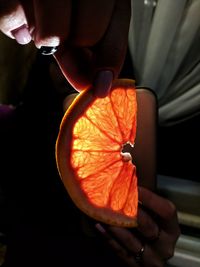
<point>158,236</point>
<point>92,53</point>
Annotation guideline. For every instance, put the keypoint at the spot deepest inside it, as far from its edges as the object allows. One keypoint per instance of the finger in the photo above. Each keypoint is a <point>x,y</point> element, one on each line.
<point>90,21</point>
<point>13,21</point>
<point>167,219</point>
<point>66,92</point>
<point>60,83</point>
<point>156,238</point>
<point>111,50</point>
<point>117,247</point>
<point>83,67</point>
<point>163,208</point>
<point>147,226</point>
<point>164,245</point>
<point>126,238</point>
<point>52,21</point>
<point>121,238</point>
<point>76,65</point>
<point>133,246</point>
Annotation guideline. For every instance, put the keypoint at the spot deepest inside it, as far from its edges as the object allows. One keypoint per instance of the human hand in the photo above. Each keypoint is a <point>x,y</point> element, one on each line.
<point>91,35</point>
<point>152,243</point>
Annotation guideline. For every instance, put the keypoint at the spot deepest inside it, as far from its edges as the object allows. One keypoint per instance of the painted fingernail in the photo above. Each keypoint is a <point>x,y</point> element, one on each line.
<point>103,83</point>
<point>48,50</point>
<point>100,228</point>
<point>103,232</point>
<point>22,35</point>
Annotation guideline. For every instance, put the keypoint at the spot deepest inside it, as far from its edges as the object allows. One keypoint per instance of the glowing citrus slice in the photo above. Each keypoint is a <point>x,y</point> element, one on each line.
<point>95,168</point>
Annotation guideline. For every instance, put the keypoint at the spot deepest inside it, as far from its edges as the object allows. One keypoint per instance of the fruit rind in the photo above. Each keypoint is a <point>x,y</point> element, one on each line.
<point>64,142</point>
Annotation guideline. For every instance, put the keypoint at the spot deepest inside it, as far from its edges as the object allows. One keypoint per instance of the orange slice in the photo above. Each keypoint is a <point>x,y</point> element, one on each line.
<point>91,155</point>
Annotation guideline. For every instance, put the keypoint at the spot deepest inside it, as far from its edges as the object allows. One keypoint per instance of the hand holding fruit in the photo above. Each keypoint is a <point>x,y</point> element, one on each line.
<point>152,243</point>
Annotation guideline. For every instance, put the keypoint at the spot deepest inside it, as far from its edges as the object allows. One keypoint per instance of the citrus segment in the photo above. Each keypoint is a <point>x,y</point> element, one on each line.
<point>88,163</point>
<point>87,135</point>
<point>103,116</point>
<point>121,189</point>
<point>98,186</point>
<point>124,105</point>
<point>99,176</point>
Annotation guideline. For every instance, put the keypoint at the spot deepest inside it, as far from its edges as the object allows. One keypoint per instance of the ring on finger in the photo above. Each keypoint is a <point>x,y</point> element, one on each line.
<point>139,255</point>
<point>48,50</point>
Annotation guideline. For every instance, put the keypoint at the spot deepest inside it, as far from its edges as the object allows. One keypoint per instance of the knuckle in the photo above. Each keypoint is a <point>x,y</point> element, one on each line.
<point>147,226</point>
<point>155,232</point>
<point>170,210</point>
<point>152,233</point>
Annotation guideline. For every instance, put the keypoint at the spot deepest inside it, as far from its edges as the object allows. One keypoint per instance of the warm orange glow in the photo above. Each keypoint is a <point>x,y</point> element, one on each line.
<point>98,137</point>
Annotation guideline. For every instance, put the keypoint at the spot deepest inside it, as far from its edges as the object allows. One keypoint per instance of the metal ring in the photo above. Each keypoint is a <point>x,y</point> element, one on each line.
<point>48,50</point>
<point>139,255</point>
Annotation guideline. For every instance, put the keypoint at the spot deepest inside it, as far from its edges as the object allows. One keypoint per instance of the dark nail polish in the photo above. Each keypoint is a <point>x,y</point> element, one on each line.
<point>100,228</point>
<point>48,50</point>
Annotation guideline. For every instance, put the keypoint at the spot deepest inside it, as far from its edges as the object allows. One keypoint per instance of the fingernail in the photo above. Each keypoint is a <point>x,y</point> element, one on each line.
<point>103,83</point>
<point>22,35</point>
<point>100,228</point>
<point>48,50</point>
<point>103,231</point>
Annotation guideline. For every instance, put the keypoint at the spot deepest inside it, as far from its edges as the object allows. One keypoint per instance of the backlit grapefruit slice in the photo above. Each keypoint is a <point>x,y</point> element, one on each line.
<point>91,155</point>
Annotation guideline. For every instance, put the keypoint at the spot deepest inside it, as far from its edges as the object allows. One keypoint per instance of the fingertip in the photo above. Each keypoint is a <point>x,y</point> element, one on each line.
<point>75,65</point>
<point>50,41</point>
<point>103,83</point>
